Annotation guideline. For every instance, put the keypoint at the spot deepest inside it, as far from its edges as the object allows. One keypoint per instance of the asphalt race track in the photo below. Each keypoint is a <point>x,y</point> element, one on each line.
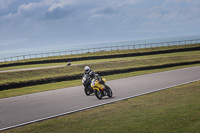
<point>20,110</point>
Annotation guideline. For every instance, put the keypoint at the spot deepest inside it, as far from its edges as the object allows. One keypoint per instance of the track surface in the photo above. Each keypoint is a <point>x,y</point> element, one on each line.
<point>26,108</point>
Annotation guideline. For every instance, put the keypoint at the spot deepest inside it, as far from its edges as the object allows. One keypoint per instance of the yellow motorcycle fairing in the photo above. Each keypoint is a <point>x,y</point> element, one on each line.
<point>96,86</point>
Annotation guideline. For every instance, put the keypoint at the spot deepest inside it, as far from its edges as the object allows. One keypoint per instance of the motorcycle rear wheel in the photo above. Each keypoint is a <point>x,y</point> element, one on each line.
<point>98,94</point>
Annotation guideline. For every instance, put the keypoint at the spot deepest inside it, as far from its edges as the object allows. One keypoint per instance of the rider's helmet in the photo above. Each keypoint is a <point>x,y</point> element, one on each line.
<point>87,69</point>
<point>92,74</point>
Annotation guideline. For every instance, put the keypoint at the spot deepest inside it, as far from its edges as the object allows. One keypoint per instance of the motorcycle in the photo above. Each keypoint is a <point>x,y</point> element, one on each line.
<point>101,90</point>
<point>86,83</point>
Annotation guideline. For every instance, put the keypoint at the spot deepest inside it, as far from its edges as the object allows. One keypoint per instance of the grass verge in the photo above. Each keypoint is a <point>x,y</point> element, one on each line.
<point>188,53</point>
<point>42,74</point>
<point>172,110</point>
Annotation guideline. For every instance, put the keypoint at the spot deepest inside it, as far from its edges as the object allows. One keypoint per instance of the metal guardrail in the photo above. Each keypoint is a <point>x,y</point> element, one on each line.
<point>81,51</point>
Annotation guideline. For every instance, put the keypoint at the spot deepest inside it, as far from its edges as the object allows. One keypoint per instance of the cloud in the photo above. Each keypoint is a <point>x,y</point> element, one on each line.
<point>33,10</point>
<point>58,12</point>
<point>4,4</point>
<point>102,12</point>
<point>12,42</point>
<point>57,8</point>
<point>39,10</point>
<point>86,18</point>
<point>58,4</point>
<point>171,11</point>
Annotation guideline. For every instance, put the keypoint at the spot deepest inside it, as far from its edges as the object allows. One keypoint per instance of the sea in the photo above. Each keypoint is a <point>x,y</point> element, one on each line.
<point>6,55</point>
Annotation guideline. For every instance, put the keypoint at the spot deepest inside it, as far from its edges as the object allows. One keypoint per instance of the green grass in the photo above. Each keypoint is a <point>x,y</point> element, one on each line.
<point>175,110</point>
<point>9,77</point>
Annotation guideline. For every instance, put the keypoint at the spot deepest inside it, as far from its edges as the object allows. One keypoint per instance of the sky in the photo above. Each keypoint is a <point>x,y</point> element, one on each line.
<point>44,23</point>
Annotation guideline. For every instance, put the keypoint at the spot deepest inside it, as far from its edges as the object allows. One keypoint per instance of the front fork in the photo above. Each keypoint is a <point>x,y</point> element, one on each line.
<point>96,88</point>
<point>104,92</point>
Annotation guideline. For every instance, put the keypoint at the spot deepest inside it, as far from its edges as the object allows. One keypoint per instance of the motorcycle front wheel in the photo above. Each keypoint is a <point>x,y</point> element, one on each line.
<point>98,94</point>
<point>87,91</point>
<point>109,91</point>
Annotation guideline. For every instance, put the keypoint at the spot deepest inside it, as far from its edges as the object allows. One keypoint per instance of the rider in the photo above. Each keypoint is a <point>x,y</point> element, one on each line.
<point>87,70</point>
<point>96,77</point>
